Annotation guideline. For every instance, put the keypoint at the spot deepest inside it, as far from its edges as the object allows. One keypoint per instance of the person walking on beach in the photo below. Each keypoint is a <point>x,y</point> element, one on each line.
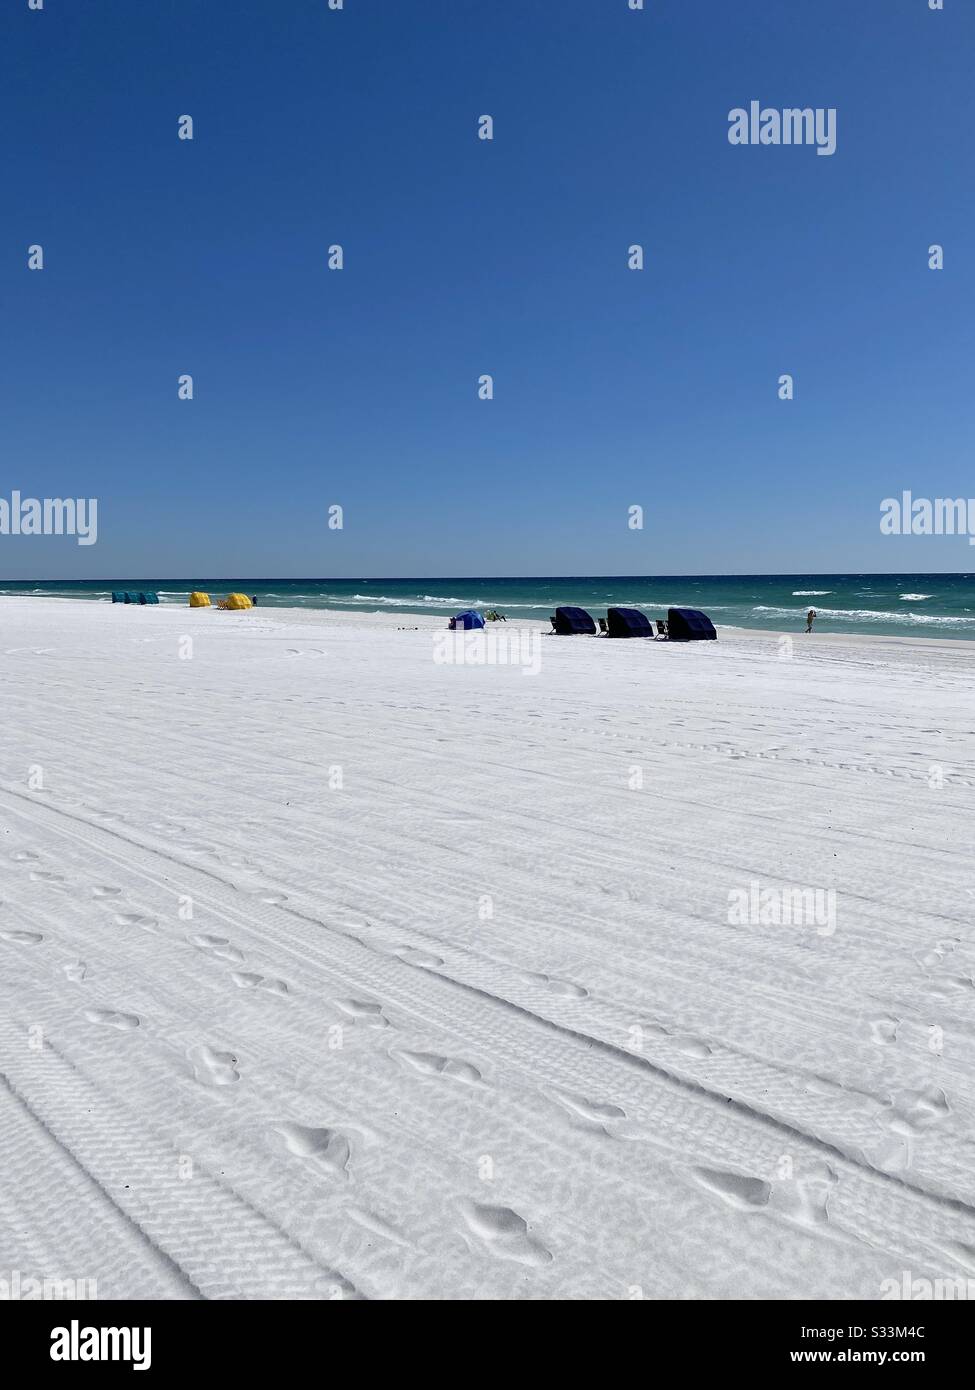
<point>810,619</point>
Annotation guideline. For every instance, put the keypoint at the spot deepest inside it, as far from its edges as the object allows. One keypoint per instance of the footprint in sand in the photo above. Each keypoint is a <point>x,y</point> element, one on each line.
<point>24,856</point>
<point>112,1019</point>
<point>564,988</point>
<point>273,986</point>
<point>245,979</point>
<point>738,1190</point>
<point>426,960</point>
<point>76,972</point>
<point>135,919</point>
<point>213,1068</point>
<point>23,938</point>
<point>883,1030</point>
<point>432,1064</point>
<point>103,890</point>
<point>328,1148</point>
<point>822,1086</point>
<point>804,1198</point>
<point>46,876</point>
<point>204,847</point>
<point>936,955</point>
<point>220,947</point>
<point>594,1114</point>
<point>689,1045</point>
<point>271,896</point>
<point>912,1112</point>
<point>945,986</point>
<point>895,1154</point>
<point>377,1224</point>
<point>641,1031</point>
<point>502,1232</point>
<point>364,1011</point>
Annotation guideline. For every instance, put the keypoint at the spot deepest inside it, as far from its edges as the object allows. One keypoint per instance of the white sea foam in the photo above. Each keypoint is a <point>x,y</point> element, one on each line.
<point>915,598</point>
<point>801,593</point>
<point>377,598</point>
<point>428,600</point>
<point>872,615</point>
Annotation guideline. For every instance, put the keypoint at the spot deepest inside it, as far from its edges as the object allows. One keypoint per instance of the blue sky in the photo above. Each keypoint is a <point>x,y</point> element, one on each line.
<point>462,257</point>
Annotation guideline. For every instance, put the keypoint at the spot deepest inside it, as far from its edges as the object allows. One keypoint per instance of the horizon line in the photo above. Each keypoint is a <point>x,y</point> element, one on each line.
<point>494,578</point>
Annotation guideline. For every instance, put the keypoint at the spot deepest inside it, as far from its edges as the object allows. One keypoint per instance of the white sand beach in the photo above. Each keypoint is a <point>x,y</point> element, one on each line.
<point>331,969</point>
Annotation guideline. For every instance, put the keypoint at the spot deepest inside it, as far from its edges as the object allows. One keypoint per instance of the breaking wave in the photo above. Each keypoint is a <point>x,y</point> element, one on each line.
<point>872,615</point>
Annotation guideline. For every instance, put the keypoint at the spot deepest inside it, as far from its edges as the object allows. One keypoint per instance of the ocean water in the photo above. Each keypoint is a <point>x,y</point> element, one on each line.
<point>932,605</point>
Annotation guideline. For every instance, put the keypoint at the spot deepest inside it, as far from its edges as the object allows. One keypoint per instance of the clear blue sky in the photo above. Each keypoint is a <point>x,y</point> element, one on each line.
<point>464,257</point>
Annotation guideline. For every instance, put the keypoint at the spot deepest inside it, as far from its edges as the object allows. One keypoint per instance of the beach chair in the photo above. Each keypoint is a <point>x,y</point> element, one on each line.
<point>602,626</point>
<point>661,627</point>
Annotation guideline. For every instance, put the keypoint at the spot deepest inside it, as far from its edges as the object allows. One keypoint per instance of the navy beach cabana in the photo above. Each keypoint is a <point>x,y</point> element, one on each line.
<point>573,622</point>
<point>628,622</point>
<point>689,625</point>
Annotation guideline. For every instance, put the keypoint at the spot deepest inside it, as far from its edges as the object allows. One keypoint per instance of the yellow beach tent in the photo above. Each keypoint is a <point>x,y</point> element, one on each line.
<point>198,600</point>
<point>235,601</point>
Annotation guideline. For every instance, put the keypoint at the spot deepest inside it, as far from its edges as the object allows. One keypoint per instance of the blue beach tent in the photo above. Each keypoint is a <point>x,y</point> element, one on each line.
<point>689,625</point>
<point>148,597</point>
<point>573,622</point>
<point>628,622</point>
<point>118,596</point>
<point>467,619</point>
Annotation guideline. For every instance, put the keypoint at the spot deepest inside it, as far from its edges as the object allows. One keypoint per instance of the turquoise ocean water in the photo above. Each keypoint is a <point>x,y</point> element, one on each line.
<point>932,605</point>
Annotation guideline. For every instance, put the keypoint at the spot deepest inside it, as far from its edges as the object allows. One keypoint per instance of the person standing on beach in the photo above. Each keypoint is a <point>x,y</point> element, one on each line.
<point>810,619</point>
